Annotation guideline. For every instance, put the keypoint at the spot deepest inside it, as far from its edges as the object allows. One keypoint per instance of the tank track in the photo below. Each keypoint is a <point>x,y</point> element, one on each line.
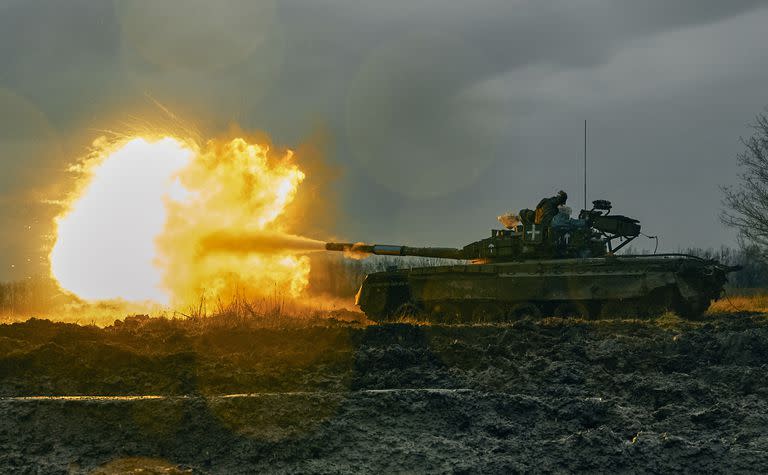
<point>478,311</point>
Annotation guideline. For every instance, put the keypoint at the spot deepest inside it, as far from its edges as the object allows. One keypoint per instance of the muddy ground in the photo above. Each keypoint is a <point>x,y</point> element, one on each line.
<point>328,397</point>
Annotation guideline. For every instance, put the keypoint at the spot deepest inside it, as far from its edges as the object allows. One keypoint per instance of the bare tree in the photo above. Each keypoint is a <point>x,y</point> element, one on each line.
<point>747,204</point>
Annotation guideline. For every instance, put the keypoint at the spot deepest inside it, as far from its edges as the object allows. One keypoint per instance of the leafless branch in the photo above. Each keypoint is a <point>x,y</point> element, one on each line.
<point>747,204</point>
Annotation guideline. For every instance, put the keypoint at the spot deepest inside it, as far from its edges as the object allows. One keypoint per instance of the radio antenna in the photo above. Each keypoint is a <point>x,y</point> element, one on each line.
<point>585,163</point>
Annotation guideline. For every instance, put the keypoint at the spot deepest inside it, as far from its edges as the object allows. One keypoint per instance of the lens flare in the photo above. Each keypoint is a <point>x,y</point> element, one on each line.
<point>171,222</point>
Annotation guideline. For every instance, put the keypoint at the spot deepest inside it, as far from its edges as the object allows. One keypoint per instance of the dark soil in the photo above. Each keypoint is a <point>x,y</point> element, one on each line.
<point>534,396</point>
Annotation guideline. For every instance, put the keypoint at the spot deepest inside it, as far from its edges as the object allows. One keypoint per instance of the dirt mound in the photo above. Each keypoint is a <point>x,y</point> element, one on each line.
<point>548,395</point>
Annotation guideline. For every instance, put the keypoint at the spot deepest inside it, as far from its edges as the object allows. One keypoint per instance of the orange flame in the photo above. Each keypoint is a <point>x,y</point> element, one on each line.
<point>148,219</point>
<point>355,253</point>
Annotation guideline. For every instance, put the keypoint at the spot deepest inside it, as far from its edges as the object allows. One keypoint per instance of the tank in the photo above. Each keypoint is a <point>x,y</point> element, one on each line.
<point>566,268</point>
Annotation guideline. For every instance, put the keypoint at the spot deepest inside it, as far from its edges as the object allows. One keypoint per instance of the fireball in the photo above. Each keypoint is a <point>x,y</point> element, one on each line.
<point>138,224</point>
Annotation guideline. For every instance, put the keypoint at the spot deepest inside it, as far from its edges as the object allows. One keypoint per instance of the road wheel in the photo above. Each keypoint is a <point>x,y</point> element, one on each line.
<point>623,308</point>
<point>691,310</point>
<point>659,301</point>
<point>446,313</point>
<point>572,310</point>
<point>407,310</point>
<point>488,312</point>
<point>525,310</point>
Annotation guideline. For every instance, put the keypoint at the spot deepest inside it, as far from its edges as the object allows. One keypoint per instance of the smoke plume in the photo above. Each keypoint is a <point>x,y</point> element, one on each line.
<point>264,242</point>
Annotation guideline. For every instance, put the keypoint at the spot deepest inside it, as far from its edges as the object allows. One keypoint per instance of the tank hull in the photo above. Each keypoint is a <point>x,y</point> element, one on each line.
<point>632,285</point>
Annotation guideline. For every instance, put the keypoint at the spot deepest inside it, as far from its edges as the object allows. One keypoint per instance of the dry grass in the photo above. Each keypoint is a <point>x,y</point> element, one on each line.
<point>267,313</point>
<point>749,300</point>
<point>278,311</point>
<point>275,311</point>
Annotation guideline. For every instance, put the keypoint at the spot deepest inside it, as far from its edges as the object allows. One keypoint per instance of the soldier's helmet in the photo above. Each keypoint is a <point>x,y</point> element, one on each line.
<point>563,196</point>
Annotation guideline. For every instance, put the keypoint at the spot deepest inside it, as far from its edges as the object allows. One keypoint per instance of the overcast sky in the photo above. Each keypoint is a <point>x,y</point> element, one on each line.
<point>440,114</point>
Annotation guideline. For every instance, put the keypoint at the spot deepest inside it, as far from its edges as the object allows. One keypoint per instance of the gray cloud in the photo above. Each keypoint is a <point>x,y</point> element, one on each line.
<point>443,114</point>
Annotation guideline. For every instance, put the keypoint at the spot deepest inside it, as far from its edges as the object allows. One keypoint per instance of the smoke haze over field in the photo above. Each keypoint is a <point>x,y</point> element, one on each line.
<point>443,115</point>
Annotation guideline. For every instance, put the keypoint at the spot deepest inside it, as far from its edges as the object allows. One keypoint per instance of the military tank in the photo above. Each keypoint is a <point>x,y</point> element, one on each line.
<point>566,268</point>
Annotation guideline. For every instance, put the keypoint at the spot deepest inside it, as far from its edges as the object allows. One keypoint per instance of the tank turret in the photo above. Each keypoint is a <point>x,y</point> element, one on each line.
<point>594,234</point>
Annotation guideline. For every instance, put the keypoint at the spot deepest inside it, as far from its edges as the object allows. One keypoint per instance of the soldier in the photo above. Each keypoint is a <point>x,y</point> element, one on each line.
<point>527,216</point>
<point>562,220</point>
<point>548,208</point>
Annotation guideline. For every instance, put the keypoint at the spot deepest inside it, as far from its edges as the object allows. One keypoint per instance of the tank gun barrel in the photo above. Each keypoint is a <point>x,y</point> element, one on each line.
<point>389,250</point>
